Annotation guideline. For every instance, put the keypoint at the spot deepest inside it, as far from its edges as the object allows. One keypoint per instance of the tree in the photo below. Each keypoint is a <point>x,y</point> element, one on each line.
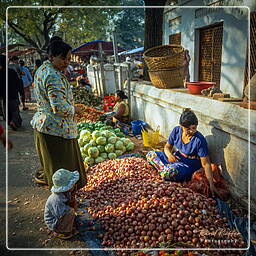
<point>153,28</point>
<point>129,25</point>
<point>44,22</point>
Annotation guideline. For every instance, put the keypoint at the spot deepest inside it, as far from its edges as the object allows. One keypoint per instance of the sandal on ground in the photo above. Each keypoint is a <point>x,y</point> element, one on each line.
<point>40,181</point>
<point>63,236</point>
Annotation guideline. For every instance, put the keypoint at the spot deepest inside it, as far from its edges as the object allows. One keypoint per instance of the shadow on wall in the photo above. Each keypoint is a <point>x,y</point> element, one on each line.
<point>216,144</point>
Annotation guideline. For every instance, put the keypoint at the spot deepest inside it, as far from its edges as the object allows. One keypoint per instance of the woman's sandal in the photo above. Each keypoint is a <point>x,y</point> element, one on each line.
<point>40,181</point>
<point>63,236</point>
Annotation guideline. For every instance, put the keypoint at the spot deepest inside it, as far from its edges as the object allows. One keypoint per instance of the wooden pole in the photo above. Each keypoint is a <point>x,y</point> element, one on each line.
<point>115,47</point>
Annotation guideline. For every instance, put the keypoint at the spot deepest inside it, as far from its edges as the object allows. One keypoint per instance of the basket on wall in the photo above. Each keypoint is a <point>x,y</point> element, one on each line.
<point>166,65</point>
<point>167,78</point>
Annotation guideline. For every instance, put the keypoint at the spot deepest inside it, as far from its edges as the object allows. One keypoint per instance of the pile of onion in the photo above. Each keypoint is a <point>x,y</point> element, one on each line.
<point>137,209</point>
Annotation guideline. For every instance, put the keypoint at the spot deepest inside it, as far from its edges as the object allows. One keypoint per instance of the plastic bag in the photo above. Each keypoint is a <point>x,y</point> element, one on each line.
<point>200,184</point>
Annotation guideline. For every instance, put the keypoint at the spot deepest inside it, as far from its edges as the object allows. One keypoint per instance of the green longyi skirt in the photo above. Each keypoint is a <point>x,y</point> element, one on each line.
<point>57,152</point>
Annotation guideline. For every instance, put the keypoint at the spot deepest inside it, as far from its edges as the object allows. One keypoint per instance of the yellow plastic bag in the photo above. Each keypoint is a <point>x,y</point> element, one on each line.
<point>150,137</point>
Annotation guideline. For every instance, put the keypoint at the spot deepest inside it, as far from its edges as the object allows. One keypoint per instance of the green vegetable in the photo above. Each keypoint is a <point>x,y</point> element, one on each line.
<point>112,156</point>
<point>89,160</point>
<point>130,146</point>
<point>112,139</point>
<point>109,148</point>
<point>84,133</point>
<point>99,159</point>
<point>101,148</point>
<point>86,147</point>
<point>96,134</point>
<point>93,143</point>
<point>119,134</point>
<point>104,155</point>
<point>118,152</point>
<point>101,140</point>
<point>125,141</point>
<point>93,152</point>
<point>119,144</point>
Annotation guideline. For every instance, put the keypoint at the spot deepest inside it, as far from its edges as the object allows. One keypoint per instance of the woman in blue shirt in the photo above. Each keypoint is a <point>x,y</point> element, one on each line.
<point>191,152</point>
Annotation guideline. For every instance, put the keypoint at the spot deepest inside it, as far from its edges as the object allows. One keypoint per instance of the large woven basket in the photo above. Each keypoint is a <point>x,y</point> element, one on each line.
<point>167,78</point>
<point>164,57</point>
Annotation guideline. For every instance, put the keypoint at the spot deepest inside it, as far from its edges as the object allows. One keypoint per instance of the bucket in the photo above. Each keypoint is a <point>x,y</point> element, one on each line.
<point>150,137</point>
<point>136,126</point>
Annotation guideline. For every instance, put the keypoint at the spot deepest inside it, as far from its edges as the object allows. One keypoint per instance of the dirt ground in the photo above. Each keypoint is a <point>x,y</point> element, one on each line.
<point>25,228</point>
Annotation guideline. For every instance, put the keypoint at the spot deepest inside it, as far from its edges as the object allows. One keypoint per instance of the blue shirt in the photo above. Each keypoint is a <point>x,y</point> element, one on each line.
<point>55,207</point>
<point>197,146</point>
<point>26,78</point>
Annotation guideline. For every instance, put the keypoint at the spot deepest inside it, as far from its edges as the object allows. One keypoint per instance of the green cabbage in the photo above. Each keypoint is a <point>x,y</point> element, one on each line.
<point>125,141</point>
<point>93,152</point>
<point>130,146</point>
<point>118,152</point>
<point>99,159</point>
<point>101,148</point>
<point>112,140</point>
<point>119,144</point>
<point>101,140</point>
<point>84,133</point>
<point>89,160</point>
<point>96,134</point>
<point>112,156</point>
<point>109,148</point>
<point>104,155</point>
<point>86,147</point>
<point>93,143</point>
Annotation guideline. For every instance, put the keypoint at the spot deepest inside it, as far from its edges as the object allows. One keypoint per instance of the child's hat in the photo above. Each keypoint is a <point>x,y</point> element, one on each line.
<point>63,180</point>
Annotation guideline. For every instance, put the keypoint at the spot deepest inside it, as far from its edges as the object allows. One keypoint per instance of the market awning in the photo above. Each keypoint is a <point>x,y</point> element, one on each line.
<point>93,47</point>
<point>17,50</point>
<point>136,50</point>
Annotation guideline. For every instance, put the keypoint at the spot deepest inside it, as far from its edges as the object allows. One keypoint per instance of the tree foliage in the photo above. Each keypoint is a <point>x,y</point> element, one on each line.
<point>129,25</point>
<point>35,26</point>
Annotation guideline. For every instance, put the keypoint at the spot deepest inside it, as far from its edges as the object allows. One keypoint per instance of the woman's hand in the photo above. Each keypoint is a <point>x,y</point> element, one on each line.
<point>213,189</point>
<point>171,158</point>
<point>208,173</point>
<point>168,152</point>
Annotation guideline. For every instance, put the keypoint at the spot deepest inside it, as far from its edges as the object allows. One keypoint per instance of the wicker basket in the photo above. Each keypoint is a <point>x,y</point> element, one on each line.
<point>164,57</point>
<point>167,78</point>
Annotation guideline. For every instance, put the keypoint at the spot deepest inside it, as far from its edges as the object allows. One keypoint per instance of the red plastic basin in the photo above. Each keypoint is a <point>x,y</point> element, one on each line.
<point>197,87</point>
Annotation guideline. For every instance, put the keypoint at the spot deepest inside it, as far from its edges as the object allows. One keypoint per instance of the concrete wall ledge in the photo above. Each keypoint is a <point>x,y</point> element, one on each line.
<point>229,117</point>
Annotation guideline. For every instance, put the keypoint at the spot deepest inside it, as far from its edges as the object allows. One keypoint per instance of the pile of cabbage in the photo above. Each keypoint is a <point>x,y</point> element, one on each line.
<point>100,145</point>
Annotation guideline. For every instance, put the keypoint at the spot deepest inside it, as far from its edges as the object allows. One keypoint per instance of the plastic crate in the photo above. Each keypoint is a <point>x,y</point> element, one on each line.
<point>108,103</point>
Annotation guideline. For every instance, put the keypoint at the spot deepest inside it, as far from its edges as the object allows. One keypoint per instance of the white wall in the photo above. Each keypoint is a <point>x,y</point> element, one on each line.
<point>235,31</point>
<point>224,125</point>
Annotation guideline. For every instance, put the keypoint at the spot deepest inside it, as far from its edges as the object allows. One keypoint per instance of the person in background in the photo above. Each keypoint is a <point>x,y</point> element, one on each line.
<point>191,154</point>
<point>60,207</point>
<point>82,77</point>
<point>27,81</point>
<point>120,112</point>
<point>55,128</point>
<point>14,64</point>
<point>87,86</point>
<point>69,72</point>
<point>6,143</point>
<point>15,89</point>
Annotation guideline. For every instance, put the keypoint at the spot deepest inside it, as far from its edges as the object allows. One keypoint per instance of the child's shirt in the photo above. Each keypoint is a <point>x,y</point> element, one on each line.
<point>56,207</point>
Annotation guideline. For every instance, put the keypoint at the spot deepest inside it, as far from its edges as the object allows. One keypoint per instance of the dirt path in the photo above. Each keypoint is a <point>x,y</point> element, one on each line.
<point>26,200</point>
